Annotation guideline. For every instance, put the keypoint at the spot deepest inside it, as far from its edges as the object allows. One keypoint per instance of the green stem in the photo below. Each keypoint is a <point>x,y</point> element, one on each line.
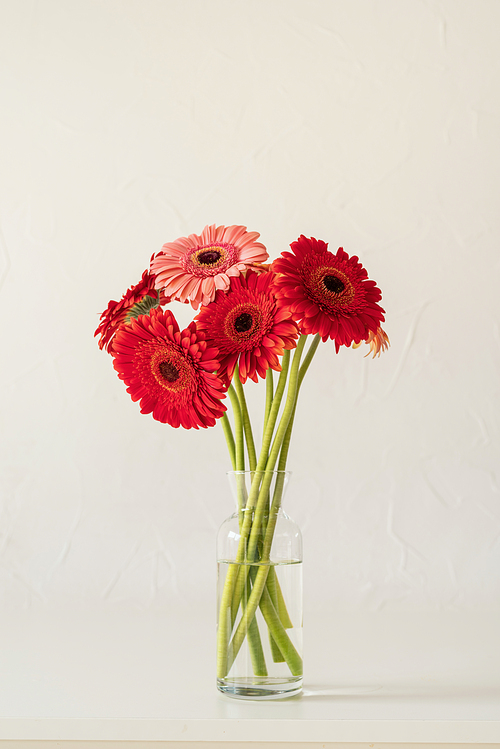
<point>238,428</point>
<point>260,580</point>
<point>242,424</point>
<point>276,447</point>
<point>255,489</point>
<point>302,373</point>
<point>273,414</point>
<point>228,434</point>
<point>254,641</point>
<point>255,644</point>
<point>309,357</point>
<point>281,608</point>
<point>250,530</point>
<point>227,607</point>
<point>239,461</point>
<point>272,583</point>
<point>272,590</point>
<point>269,395</point>
<point>272,587</point>
<point>252,458</point>
<point>280,637</point>
<point>239,465</point>
<point>275,626</point>
<point>237,584</point>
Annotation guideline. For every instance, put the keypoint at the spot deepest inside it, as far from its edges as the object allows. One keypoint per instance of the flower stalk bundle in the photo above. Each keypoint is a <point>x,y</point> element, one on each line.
<point>250,317</point>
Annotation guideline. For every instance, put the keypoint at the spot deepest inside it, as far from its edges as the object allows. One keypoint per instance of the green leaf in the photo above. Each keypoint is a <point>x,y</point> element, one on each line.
<point>143,307</point>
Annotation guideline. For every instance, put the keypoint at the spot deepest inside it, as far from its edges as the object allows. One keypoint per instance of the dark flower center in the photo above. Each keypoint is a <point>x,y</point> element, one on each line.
<point>168,371</point>
<point>243,323</point>
<point>209,257</point>
<point>333,283</point>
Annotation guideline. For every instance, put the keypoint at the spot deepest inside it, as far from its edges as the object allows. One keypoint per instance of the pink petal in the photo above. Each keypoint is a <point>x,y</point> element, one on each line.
<point>221,281</point>
<point>207,285</point>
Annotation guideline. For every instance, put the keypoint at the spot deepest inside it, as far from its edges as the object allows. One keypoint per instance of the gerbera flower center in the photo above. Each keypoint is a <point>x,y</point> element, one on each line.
<point>244,325</point>
<point>329,288</point>
<point>334,284</point>
<point>168,371</point>
<point>209,257</point>
<point>209,260</point>
<point>243,322</point>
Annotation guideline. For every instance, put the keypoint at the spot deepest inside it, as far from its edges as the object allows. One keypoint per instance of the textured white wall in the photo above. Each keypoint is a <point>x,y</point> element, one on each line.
<point>370,124</point>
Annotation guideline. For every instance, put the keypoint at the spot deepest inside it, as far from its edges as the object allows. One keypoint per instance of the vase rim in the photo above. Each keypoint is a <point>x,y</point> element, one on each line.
<point>231,473</point>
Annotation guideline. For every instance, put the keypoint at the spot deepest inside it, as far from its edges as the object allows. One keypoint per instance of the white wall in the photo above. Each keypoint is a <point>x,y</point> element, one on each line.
<point>370,124</point>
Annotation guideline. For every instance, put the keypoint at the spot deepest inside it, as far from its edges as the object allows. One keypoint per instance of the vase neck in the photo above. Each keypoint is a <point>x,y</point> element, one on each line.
<point>252,489</point>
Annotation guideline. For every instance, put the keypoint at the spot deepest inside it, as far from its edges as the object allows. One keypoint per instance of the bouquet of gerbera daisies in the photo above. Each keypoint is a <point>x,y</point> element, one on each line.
<point>249,317</point>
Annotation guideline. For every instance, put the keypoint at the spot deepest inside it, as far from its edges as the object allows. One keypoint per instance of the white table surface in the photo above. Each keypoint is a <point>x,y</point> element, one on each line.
<point>149,676</point>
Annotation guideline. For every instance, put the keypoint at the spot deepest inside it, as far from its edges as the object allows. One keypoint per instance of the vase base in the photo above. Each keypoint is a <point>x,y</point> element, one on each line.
<point>255,688</point>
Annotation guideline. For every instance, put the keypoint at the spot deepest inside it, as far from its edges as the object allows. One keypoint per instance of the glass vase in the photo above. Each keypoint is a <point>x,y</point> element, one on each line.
<point>259,626</point>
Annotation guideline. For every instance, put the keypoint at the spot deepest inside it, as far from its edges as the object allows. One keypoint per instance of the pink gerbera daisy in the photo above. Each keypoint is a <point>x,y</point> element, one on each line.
<point>326,293</point>
<point>170,372</point>
<point>118,313</point>
<point>247,328</point>
<point>193,268</point>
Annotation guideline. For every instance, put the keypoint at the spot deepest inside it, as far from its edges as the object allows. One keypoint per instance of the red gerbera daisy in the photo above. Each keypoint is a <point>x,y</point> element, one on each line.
<point>117,313</point>
<point>326,293</point>
<point>193,268</point>
<point>170,372</point>
<point>247,327</point>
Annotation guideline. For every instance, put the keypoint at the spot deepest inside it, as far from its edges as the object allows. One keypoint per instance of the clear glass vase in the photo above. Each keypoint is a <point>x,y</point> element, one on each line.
<point>259,626</point>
